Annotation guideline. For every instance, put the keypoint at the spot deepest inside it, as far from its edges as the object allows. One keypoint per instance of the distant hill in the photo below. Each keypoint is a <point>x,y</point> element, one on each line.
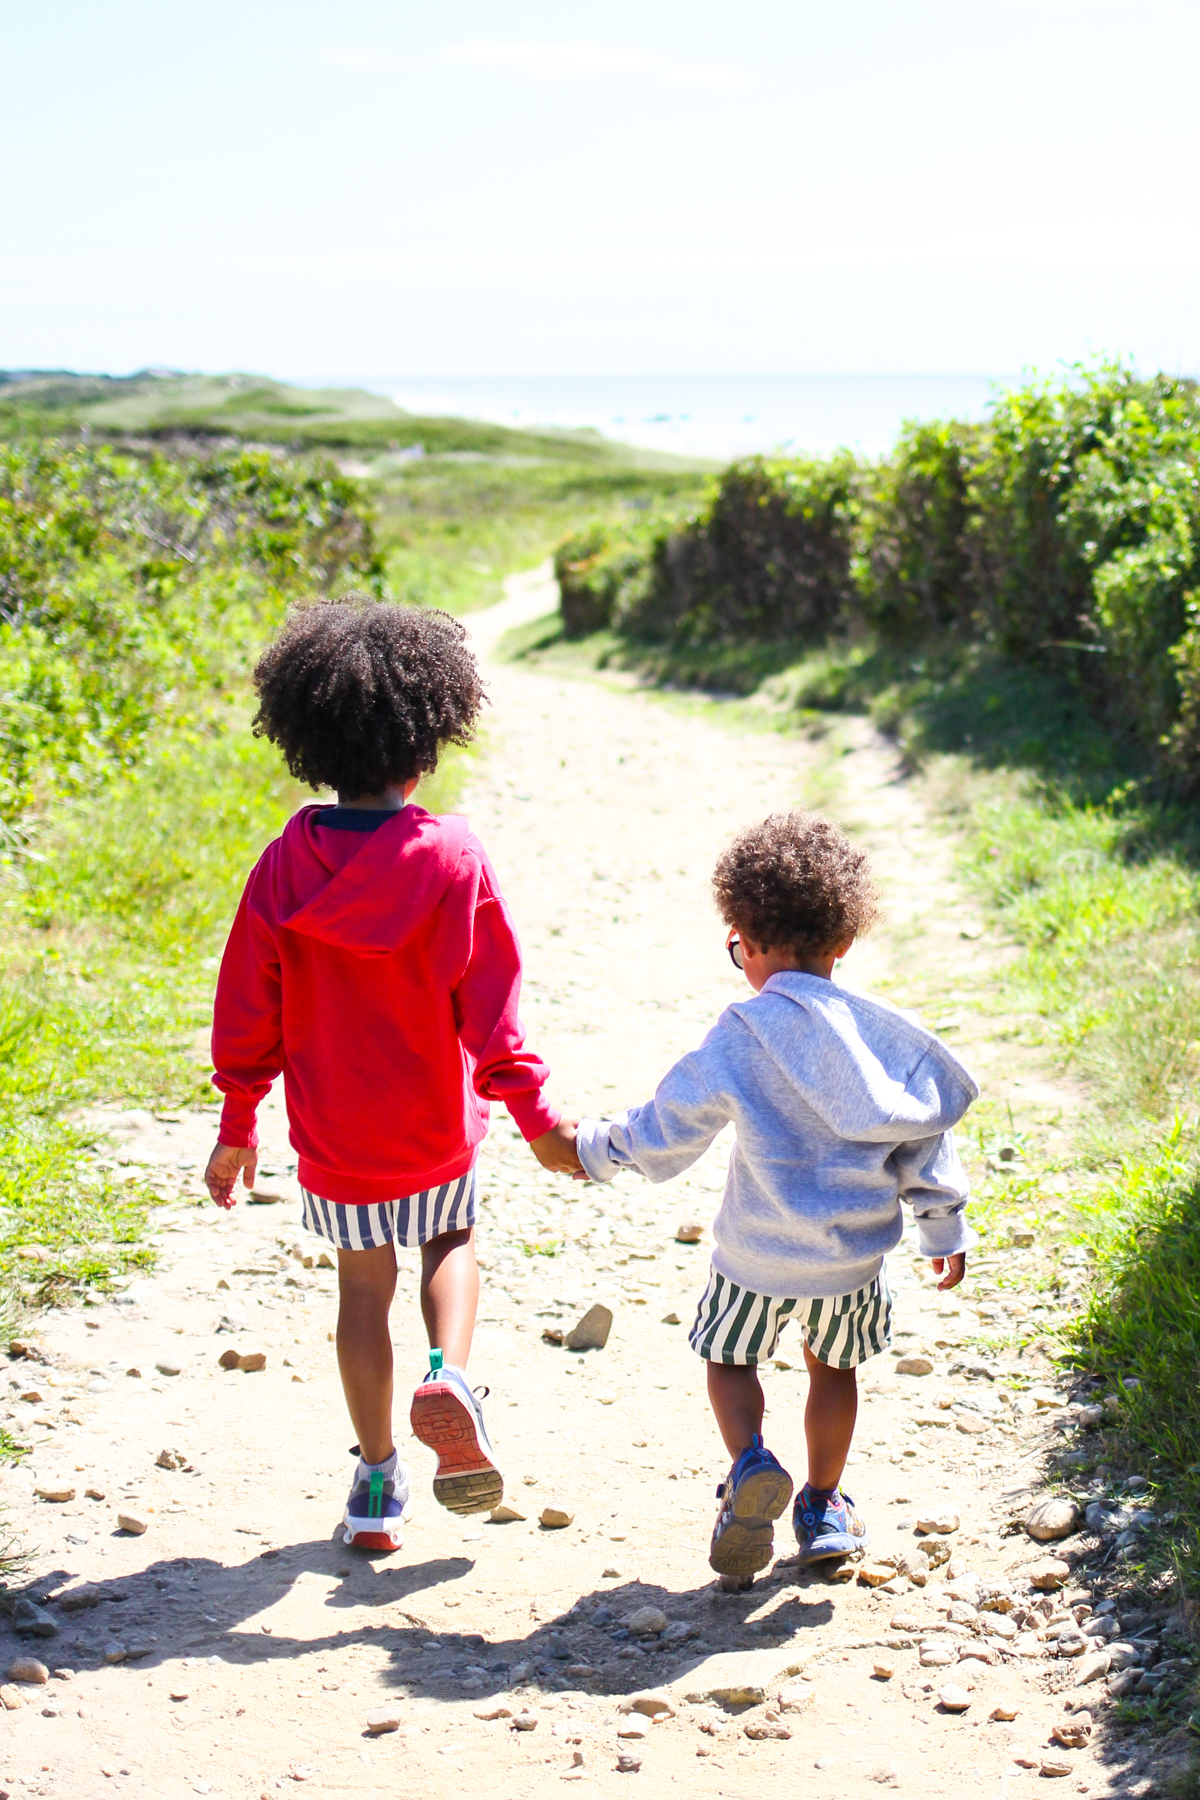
<point>164,404</point>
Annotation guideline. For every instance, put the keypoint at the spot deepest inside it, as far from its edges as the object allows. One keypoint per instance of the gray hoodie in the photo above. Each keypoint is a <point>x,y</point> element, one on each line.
<point>842,1103</point>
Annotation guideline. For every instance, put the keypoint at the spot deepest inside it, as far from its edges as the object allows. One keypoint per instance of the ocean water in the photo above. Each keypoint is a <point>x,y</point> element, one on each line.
<point>718,416</point>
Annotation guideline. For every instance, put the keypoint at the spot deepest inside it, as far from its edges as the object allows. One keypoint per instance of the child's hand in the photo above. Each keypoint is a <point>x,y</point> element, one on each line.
<point>955,1267</point>
<point>221,1175</point>
<point>556,1151</point>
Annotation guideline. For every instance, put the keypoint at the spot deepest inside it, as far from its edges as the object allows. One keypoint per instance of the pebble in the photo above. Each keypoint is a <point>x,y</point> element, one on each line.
<point>229,1359</point>
<point>1121,1683</point>
<point>914,1365</point>
<point>490,1713</point>
<point>689,1231</point>
<point>970,1424</point>
<point>943,1523</point>
<point>28,1668</point>
<point>1004,1712</point>
<point>94,1493</point>
<point>758,1732</point>
<point>873,1574</point>
<point>553,1518</point>
<point>611,1573</point>
<point>650,1702</point>
<point>252,1362</point>
<point>628,1765</point>
<point>954,1699</point>
<point>1091,1668</point>
<point>631,1731</point>
<point>1073,1733</point>
<point>10,1698</point>
<point>883,1671</point>
<point>671,1318</point>
<point>98,1385</point>
<point>937,1656</point>
<point>606,1397</point>
<point>506,1515</point>
<point>30,1620</point>
<point>1057,1765</point>
<point>1052,1518</point>
<point>647,1621</point>
<point>740,1694</point>
<point>524,1721</point>
<point>592,1331</point>
<point>796,1697</point>
<point>178,1693</point>
<point>169,1365</point>
<point>384,1718</point>
<point>57,1491</point>
<point>1050,1575</point>
<point>170,1459</point>
<point>134,1523</point>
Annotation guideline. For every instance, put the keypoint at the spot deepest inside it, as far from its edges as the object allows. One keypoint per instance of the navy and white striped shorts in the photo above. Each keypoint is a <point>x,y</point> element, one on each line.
<point>409,1222</point>
<point>739,1328</point>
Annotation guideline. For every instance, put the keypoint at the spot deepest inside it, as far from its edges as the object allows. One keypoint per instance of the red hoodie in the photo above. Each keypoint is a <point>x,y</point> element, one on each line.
<point>380,972</point>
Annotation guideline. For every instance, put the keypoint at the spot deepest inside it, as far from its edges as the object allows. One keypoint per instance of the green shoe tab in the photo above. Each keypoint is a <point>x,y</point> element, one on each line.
<point>435,1361</point>
<point>375,1498</point>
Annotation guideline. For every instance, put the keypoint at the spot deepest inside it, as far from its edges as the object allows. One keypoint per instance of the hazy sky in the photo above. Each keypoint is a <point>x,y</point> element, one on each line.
<point>369,188</point>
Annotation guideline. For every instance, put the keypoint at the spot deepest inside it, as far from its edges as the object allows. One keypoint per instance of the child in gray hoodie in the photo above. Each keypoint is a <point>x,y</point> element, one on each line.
<point>843,1106</point>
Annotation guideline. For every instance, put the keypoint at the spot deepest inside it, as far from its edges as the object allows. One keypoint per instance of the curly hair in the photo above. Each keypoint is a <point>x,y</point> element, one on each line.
<point>360,696</point>
<point>796,883</point>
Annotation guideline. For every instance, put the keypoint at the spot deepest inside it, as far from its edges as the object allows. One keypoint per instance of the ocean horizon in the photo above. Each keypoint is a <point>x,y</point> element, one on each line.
<point>713,416</point>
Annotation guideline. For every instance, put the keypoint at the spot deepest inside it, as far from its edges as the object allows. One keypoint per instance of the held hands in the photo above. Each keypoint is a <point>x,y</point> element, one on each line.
<point>556,1151</point>
<point>955,1267</point>
<point>221,1175</point>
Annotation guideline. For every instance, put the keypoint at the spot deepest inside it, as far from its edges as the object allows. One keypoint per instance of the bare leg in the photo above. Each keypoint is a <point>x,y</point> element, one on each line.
<point>450,1293</point>
<point>366,1285</point>
<point>829,1420</point>
<point>736,1398</point>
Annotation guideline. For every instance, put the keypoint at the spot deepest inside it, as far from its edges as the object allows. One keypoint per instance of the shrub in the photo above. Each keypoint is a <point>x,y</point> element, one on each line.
<point>596,570</point>
<point>914,569</point>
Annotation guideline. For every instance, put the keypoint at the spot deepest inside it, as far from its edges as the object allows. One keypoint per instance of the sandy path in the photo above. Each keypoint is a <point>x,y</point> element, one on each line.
<point>236,1648</point>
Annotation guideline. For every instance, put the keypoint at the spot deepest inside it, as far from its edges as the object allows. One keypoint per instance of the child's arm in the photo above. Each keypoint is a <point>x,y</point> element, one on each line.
<point>247,1049</point>
<point>489,1029</point>
<point>934,1182</point>
<point>660,1138</point>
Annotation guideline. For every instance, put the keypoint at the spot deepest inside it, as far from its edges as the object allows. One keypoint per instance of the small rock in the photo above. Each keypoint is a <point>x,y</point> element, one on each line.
<point>796,1697</point>
<point>611,1573</point>
<point>883,1671</point>
<point>56,1491</point>
<point>740,1694</point>
<point>970,1424</point>
<point>1050,1575</point>
<point>592,1331</point>
<point>265,1195</point>
<point>229,1359</point>
<point>954,1699</point>
<point>1004,1712</point>
<point>524,1721</point>
<point>30,1620</point>
<point>943,1523</point>
<point>628,1765</point>
<point>937,1656</point>
<point>914,1365</point>
<point>1091,1668</point>
<point>1073,1733</point>
<point>506,1515</point>
<point>606,1397</point>
<point>1052,1518</point>
<point>252,1362</point>
<point>94,1493</point>
<point>497,1710</point>
<point>1121,1683</point>
<point>1071,1642</point>
<point>552,1334</point>
<point>384,1718</point>
<point>1057,1765</point>
<point>28,1668</point>
<point>649,1703</point>
<point>762,1730</point>
<point>115,1652</point>
<point>169,1365</point>
<point>873,1574</point>
<point>170,1459</point>
<point>671,1318</point>
<point>134,1523</point>
<point>10,1697</point>
<point>180,1693</point>
<point>647,1621</point>
<point>553,1518</point>
<point>935,1550</point>
<point>690,1231</point>
<point>631,1731</point>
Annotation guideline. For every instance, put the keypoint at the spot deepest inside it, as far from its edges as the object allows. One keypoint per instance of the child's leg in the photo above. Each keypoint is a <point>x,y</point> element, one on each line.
<point>366,1286</point>
<point>736,1397</point>
<point>450,1293</point>
<point>828,1420</point>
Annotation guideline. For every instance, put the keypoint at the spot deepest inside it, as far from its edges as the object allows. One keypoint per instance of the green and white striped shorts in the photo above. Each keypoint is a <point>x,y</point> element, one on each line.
<point>738,1328</point>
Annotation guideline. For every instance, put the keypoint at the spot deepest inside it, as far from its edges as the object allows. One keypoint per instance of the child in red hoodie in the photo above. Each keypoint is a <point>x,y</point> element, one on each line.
<point>373,963</point>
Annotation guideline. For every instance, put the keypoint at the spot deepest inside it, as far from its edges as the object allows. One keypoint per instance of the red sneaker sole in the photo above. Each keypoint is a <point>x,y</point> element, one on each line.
<point>370,1540</point>
<point>467,1481</point>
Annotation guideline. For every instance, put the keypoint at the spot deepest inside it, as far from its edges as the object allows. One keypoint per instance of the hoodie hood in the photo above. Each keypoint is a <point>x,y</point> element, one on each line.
<point>870,1072</point>
<point>367,893</point>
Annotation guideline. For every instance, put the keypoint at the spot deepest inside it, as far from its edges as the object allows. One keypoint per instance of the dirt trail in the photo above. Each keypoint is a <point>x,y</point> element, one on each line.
<point>236,1647</point>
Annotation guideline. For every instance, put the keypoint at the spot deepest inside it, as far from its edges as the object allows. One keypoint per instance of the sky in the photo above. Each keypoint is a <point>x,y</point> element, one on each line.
<point>785,186</point>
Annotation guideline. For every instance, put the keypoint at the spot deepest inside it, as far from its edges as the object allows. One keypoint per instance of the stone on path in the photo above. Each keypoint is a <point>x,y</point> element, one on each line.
<point>59,1492</point>
<point>169,1365</point>
<point>252,1361</point>
<point>689,1231</point>
<point>647,1621</point>
<point>229,1359</point>
<point>1057,1765</point>
<point>506,1515</point>
<point>796,1697</point>
<point>1004,1712</point>
<point>553,1518</point>
<point>31,1620</point>
<point>873,1574</point>
<point>28,1668</point>
<point>1050,1575</point>
<point>490,1713</point>
<point>10,1697</point>
<point>1092,1668</point>
<point>1052,1518</point>
<point>524,1721</point>
<point>914,1365</point>
<point>384,1718</point>
<point>671,1318</point>
<point>628,1765</point>
<point>759,1730</point>
<point>134,1523</point>
<point>943,1523</point>
<point>954,1699</point>
<point>883,1671</point>
<point>1073,1733</point>
<point>937,1656</point>
<point>592,1331</point>
<point>650,1702</point>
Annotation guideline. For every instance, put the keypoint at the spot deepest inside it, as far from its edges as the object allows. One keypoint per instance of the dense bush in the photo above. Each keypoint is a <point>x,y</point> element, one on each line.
<point>1064,533</point>
<point>123,584</point>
